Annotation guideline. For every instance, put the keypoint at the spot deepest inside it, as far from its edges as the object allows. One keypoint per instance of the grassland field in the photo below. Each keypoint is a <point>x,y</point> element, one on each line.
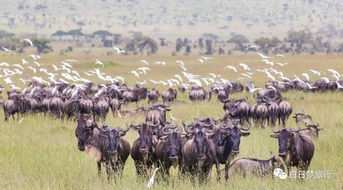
<point>41,152</point>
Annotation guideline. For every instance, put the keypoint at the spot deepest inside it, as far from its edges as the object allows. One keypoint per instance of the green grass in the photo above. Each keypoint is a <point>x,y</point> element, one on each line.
<point>41,152</point>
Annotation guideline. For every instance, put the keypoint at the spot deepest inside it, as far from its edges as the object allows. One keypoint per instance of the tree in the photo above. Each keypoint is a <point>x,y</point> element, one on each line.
<point>42,45</point>
<point>179,45</point>
<point>59,34</point>
<point>76,33</point>
<point>239,40</point>
<point>102,34</point>
<point>266,43</point>
<point>209,47</point>
<point>298,39</point>
<point>141,43</point>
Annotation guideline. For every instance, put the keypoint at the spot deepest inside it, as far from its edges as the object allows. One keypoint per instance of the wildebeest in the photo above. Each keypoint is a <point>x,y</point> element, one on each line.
<point>142,150</point>
<point>227,141</point>
<point>285,111</point>
<point>56,106</point>
<point>105,145</point>
<point>198,93</point>
<point>134,94</point>
<point>115,105</point>
<point>303,118</point>
<point>198,152</point>
<point>12,106</point>
<point>311,130</point>
<point>222,95</point>
<point>259,112</point>
<point>168,149</point>
<point>157,114</point>
<point>273,113</point>
<point>252,166</point>
<point>296,149</point>
<point>101,107</point>
<point>153,96</point>
<point>169,95</point>
<point>238,108</point>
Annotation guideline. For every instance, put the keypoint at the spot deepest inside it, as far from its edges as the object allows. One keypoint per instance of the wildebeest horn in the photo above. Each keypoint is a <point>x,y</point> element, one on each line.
<point>274,131</point>
<point>247,129</point>
<point>184,123</point>
<point>165,130</point>
<point>123,131</point>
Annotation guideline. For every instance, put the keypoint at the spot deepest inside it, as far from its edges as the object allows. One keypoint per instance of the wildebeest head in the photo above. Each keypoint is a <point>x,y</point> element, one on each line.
<point>114,137</point>
<point>232,134</point>
<point>84,133</point>
<point>173,138</point>
<point>284,140</point>
<point>145,138</point>
<point>276,161</point>
<point>201,133</point>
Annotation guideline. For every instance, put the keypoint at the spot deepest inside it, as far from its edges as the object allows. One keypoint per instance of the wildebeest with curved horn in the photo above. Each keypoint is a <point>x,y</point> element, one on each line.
<point>168,149</point>
<point>198,93</point>
<point>142,150</point>
<point>238,108</point>
<point>157,114</point>
<point>105,145</point>
<point>311,130</point>
<point>198,152</point>
<point>227,141</point>
<point>295,149</point>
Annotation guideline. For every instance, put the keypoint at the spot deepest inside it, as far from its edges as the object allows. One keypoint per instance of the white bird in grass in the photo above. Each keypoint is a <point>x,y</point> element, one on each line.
<point>214,75</point>
<point>15,87</point>
<point>28,41</point>
<point>306,76</point>
<point>4,64</point>
<point>33,69</point>
<point>5,49</point>
<point>152,179</point>
<point>19,66</point>
<point>280,55</point>
<point>119,51</point>
<point>206,58</point>
<point>245,75</point>
<point>282,64</point>
<point>252,47</point>
<point>334,72</point>
<point>23,61</point>
<point>180,62</point>
<point>325,79</point>
<point>318,73</point>
<point>35,57</point>
<point>310,86</point>
<point>270,76</point>
<point>201,60</point>
<point>251,87</point>
<point>245,66</point>
<point>66,64</point>
<point>183,67</point>
<point>145,62</point>
<point>38,64</point>
<point>135,73</point>
<point>172,118</point>
<point>263,56</point>
<point>97,62</point>
<point>339,86</point>
<point>142,83</point>
<point>179,77</point>
<point>268,62</point>
<point>144,69</point>
<point>231,68</point>
<point>8,80</point>
<point>272,87</point>
<point>22,80</point>
<point>160,63</point>
<point>21,120</point>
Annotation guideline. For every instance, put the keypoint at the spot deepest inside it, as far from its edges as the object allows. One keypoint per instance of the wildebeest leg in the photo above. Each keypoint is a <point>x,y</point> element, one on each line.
<point>218,171</point>
<point>108,171</point>
<point>226,171</point>
<point>99,168</point>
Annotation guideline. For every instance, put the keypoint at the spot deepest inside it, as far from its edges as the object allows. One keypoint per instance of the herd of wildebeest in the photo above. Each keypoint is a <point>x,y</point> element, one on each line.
<point>194,150</point>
